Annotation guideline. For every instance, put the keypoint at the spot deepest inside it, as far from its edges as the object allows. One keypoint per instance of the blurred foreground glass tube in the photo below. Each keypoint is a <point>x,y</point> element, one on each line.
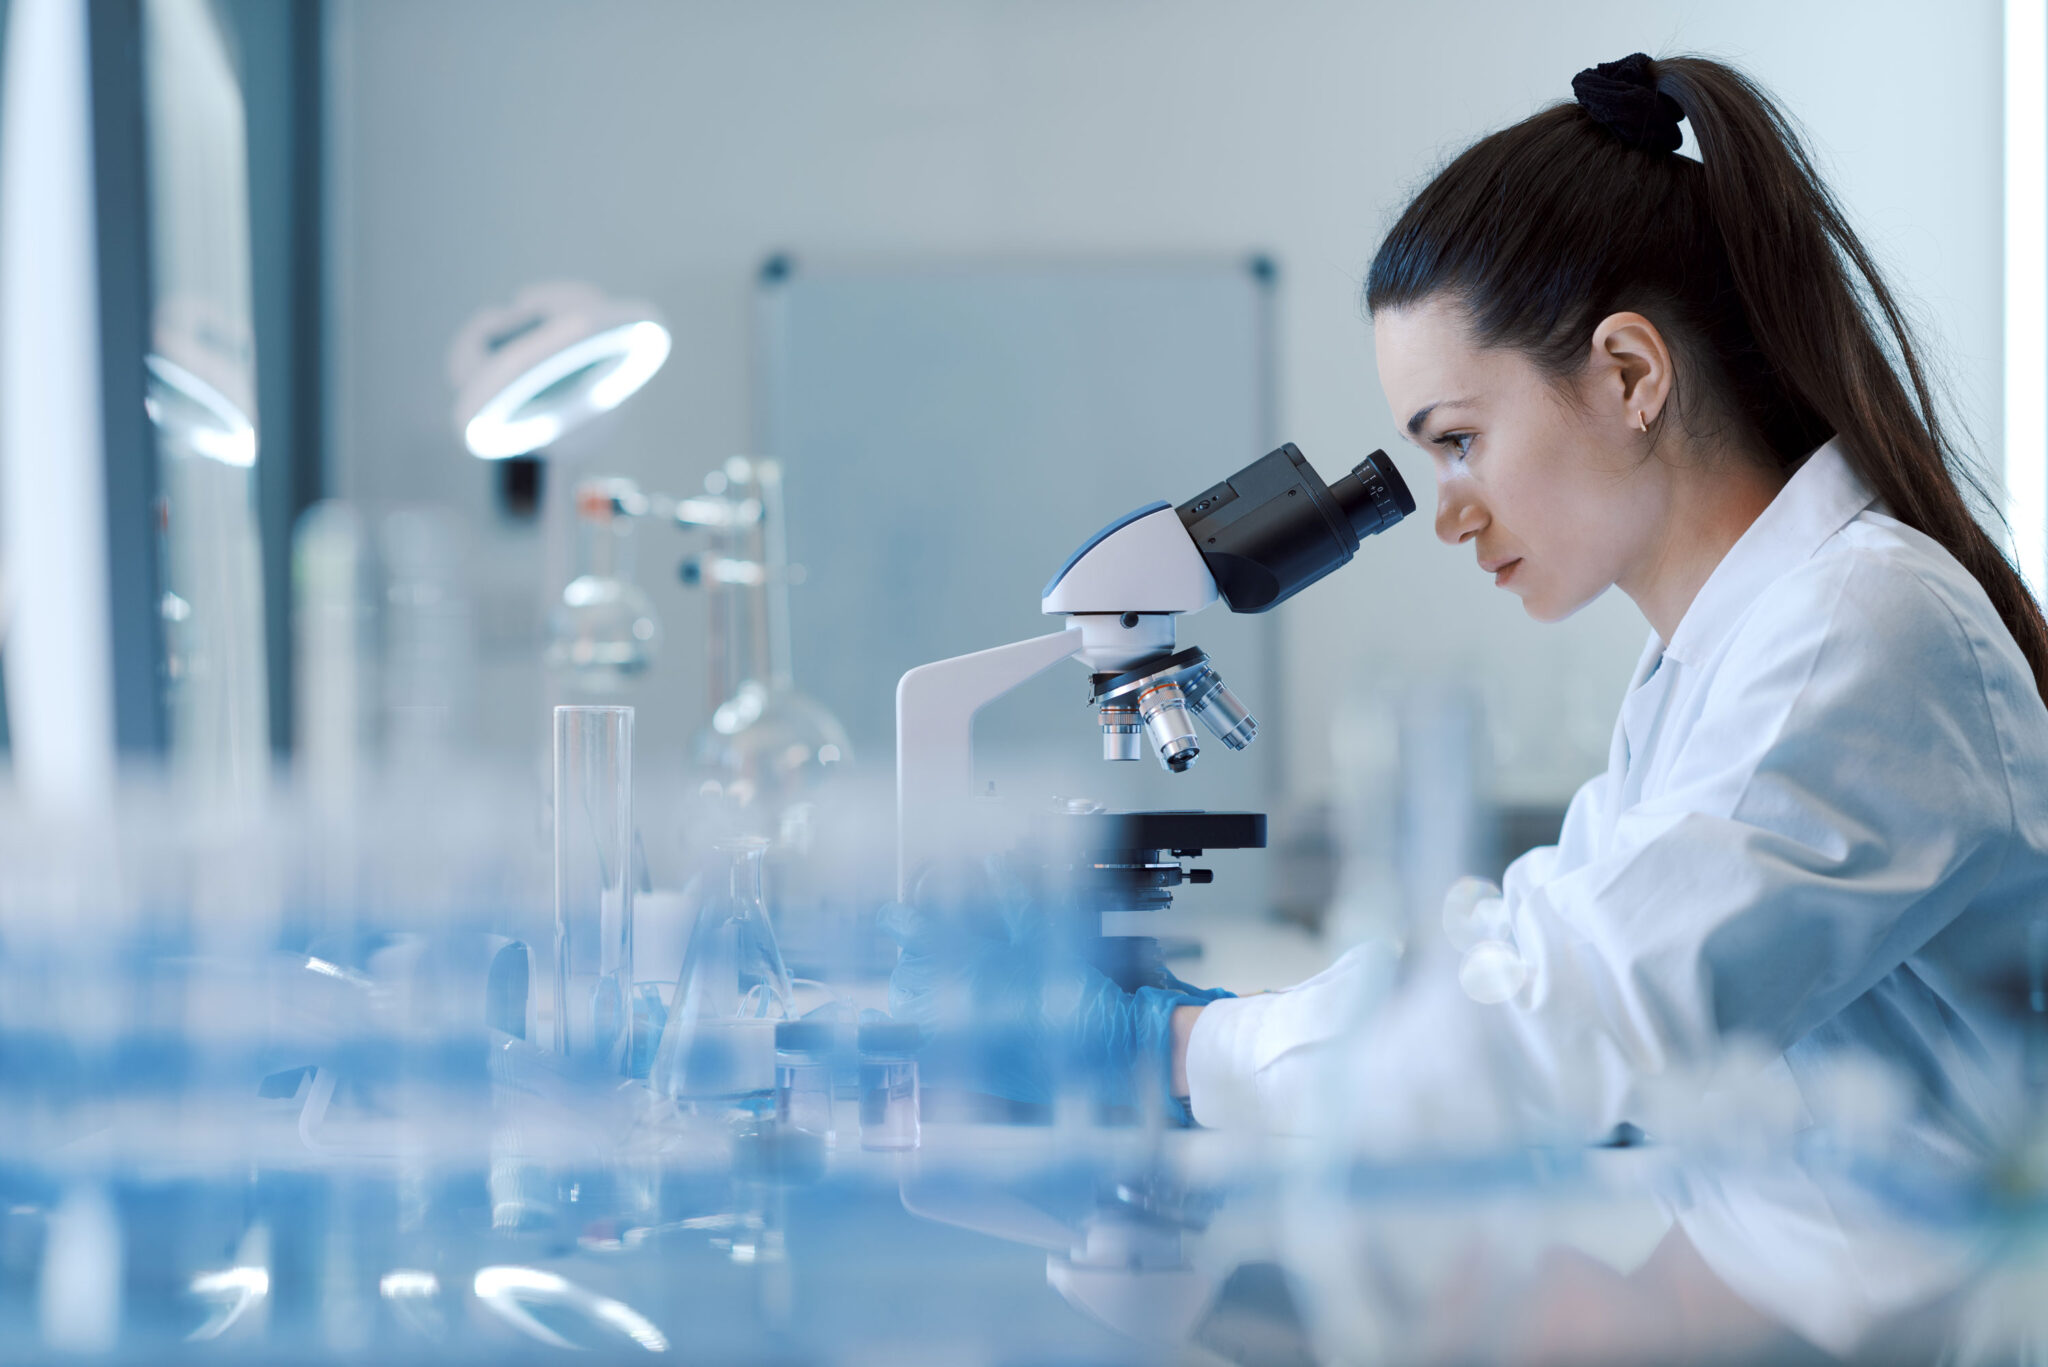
<point>330,621</point>
<point>593,890</point>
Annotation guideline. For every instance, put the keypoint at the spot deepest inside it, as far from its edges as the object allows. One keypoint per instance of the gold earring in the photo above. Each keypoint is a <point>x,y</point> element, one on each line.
<point>1642,423</point>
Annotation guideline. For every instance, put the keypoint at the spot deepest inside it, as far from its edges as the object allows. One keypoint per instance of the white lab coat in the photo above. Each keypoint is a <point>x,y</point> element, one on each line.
<point>1823,829</point>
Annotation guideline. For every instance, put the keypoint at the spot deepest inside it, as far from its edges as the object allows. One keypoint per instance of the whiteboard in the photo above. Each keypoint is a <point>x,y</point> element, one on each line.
<point>949,433</point>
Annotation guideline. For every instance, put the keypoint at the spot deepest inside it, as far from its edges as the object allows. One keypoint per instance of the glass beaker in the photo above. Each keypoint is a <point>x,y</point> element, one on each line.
<point>719,1042</point>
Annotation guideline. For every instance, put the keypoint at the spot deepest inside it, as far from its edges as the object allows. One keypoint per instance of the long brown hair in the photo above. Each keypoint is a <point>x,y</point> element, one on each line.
<point>1743,258</point>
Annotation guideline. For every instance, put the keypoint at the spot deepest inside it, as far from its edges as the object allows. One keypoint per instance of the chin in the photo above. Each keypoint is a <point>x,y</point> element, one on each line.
<point>1549,608</point>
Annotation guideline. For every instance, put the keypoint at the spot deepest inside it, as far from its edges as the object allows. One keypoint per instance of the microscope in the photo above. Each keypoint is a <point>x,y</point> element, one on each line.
<point>1254,540</point>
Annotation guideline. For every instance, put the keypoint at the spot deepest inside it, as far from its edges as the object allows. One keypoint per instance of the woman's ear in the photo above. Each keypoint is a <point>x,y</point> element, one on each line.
<point>1630,367</point>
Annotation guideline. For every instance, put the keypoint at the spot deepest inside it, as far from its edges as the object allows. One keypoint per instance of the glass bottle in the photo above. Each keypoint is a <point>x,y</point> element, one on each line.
<point>719,1041</point>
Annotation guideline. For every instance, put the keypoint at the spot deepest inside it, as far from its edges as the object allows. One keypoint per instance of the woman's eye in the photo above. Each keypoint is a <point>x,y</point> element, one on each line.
<point>1458,444</point>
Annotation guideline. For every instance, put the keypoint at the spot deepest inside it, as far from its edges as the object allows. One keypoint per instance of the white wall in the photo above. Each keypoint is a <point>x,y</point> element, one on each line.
<point>661,147</point>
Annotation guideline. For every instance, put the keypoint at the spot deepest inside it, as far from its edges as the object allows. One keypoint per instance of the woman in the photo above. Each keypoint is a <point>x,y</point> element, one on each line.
<point>1823,830</point>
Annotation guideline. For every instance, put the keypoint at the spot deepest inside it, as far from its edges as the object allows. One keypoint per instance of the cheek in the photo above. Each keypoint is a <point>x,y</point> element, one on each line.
<point>1580,536</point>
<point>1569,530</point>
<point>1556,496</point>
<point>1535,509</point>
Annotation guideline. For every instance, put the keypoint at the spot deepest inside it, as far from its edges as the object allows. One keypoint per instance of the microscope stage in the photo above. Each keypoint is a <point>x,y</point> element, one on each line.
<point>1187,833</point>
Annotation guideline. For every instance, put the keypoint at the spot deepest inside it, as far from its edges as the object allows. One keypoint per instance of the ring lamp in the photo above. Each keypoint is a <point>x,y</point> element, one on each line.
<point>558,357</point>
<point>192,411</point>
<point>200,381</point>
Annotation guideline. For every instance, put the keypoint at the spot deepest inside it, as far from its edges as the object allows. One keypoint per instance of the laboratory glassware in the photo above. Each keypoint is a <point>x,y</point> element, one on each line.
<point>650,1015</point>
<point>593,889</point>
<point>428,665</point>
<point>888,1086</point>
<point>803,1077</point>
<point>331,627</point>
<point>719,1041</point>
<point>769,742</point>
<point>603,633</point>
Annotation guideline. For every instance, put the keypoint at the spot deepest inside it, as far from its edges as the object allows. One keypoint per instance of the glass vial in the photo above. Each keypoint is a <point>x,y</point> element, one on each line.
<point>888,1086</point>
<point>593,889</point>
<point>803,1077</point>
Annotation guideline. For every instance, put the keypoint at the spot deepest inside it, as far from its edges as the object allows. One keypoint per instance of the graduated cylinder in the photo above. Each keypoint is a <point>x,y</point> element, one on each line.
<point>593,884</point>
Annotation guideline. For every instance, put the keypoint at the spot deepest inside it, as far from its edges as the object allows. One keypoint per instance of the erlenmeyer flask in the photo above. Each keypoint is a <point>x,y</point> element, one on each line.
<point>719,1042</point>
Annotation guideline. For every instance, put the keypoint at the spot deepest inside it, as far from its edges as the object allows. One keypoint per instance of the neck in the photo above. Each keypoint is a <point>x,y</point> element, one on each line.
<point>1714,500</point>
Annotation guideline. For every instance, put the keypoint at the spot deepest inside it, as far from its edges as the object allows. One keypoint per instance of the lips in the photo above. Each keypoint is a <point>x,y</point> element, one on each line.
<point>1501,570</point>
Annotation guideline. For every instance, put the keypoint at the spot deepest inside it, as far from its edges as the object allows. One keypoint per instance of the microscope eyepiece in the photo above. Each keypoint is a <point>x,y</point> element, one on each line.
<point>1274,527</point>
<point>1373,496</point>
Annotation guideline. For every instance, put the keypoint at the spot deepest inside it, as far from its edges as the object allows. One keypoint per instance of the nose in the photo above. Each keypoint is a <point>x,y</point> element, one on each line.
<point>1459,515</point>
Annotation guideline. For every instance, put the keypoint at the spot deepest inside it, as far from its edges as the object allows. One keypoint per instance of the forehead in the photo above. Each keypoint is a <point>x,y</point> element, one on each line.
<point>1426,354</point>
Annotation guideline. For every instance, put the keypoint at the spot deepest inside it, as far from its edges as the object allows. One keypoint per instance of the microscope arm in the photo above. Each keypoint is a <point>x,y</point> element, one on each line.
<point>935,707</point>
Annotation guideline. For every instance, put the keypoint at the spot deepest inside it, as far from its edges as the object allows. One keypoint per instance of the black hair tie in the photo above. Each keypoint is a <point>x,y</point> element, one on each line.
<point>1623,97</point>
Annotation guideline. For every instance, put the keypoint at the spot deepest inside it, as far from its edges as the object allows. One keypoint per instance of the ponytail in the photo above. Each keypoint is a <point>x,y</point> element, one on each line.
<point>1784,328</point>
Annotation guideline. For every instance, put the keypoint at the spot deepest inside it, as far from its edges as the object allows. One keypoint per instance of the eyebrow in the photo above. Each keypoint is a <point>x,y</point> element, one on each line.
<point>1422,414</point>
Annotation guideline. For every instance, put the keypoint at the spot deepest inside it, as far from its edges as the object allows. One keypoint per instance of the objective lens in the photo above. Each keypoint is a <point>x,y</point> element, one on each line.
<point>1223,712</point>
<point>1165,710</point>
<point>1123,734</point>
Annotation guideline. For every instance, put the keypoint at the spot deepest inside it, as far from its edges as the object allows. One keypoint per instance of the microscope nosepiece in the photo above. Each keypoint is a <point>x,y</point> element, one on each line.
<point>1160,701</point>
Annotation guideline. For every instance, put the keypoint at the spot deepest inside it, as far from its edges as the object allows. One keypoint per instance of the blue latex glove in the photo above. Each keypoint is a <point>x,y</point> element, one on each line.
<point>1157,974</point>
<point>999,981</point>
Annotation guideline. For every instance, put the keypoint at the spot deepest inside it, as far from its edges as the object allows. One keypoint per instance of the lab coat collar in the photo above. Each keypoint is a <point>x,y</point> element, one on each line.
<point>1824,493</point>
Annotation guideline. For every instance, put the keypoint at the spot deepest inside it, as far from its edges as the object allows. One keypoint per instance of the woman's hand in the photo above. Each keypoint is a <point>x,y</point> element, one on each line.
<point>1012,1008</point>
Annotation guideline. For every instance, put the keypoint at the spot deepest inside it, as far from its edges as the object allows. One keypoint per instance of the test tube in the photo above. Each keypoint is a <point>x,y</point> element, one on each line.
<point>593,886</point>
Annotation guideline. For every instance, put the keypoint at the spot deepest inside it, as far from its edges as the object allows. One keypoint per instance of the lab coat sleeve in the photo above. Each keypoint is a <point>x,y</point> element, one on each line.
<point>1836,800</point>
